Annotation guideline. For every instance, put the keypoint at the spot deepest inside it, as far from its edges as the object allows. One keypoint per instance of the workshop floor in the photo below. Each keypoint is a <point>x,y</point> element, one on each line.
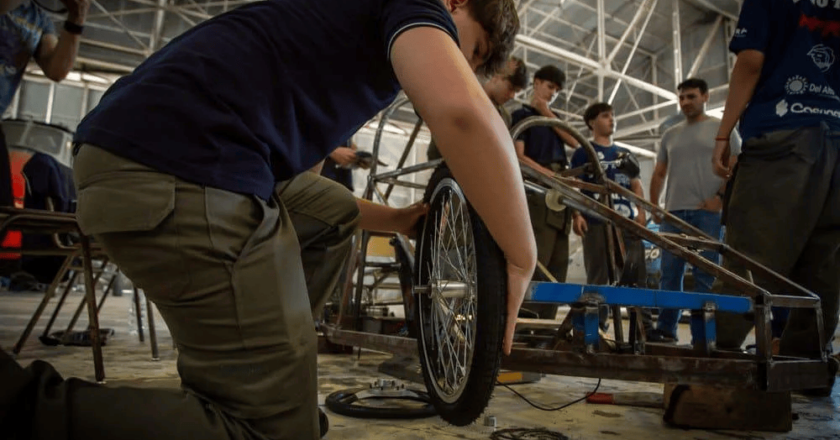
<point>129,361</point>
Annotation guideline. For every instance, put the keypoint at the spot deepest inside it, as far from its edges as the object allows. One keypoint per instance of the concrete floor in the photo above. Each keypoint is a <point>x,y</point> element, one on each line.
<point>128,361</point>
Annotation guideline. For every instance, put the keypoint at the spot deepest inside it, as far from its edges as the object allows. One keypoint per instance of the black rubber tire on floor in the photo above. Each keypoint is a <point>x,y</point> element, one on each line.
<point>342,402</point>
<point>491,296</point>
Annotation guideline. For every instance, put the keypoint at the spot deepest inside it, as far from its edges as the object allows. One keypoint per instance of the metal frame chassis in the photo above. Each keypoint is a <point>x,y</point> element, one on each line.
<point>701,364</point>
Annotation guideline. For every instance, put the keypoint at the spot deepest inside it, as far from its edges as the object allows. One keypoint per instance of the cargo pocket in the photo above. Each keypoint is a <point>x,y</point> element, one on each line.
<point>132,215</point>
<point>804,144</point>
<point>557,219</point>
<point>125,202</point>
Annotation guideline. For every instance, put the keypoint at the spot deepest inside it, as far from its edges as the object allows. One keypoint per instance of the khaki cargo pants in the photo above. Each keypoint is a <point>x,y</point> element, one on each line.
<point>551,231</point>
<point>236,279</point>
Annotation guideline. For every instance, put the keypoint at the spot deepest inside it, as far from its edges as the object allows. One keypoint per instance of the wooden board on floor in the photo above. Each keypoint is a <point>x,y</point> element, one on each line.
<point>689,406</point>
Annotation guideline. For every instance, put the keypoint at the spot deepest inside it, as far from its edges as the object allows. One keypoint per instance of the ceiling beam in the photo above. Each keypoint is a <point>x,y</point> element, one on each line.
<point>704,50</point>
<point>157,27</point>
<point>708,5</point>
<point>646,5</point>
<point>651,5</point>
<point>575,58</point>
<point>120,24</point>
<point>577,27</point>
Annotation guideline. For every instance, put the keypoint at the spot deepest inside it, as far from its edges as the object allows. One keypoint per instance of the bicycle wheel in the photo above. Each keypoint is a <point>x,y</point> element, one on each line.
<point>460,289</point>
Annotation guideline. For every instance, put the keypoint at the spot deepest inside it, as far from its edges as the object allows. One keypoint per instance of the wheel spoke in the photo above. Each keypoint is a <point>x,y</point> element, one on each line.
<point>450,324</point>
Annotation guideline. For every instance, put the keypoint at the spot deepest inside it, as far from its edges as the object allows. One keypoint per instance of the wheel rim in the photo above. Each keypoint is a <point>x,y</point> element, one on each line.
<point>448,315</point>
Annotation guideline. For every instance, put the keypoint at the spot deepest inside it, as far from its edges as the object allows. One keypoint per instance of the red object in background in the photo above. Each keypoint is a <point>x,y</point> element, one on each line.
<point>17,160</point>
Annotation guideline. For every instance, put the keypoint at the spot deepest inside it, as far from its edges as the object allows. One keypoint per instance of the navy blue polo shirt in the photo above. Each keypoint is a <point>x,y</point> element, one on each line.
<point>541,143</point>
<point>609,161</point>
<point>261,93</point>
<point>800,79</point>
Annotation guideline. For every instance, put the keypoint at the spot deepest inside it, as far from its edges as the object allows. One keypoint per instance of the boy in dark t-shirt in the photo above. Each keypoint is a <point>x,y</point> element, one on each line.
<point>191,174</point>
<point>783,207</point>
<point>543,149</point>
<point>600,119</point>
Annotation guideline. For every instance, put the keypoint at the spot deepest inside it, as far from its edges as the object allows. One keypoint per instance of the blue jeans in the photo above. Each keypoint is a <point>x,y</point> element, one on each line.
<point>673,268</point>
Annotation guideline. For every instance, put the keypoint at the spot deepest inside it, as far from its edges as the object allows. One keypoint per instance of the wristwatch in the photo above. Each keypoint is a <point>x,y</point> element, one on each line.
<point>73,28</point>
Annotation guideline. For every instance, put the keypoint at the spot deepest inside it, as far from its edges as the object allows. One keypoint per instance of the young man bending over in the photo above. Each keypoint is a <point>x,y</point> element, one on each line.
<point>191,172</point>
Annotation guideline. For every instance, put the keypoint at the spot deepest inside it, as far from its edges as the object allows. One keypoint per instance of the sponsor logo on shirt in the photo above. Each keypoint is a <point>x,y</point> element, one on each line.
<point>799,85</point>
<point>798,108</point>
<point>796,85</point>
<point>782,108</point>
<point>741,32</point>
<point>823,3</point>
<point>823,56</point>
<point>816,24</point>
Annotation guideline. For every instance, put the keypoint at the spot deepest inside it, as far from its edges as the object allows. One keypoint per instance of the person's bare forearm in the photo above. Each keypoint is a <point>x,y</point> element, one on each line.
<point>64,56</point>
<point>745,76</point>
<point>656,184</point>
<point>377,218</point>
<point>568,139</point>
<point>636,186</point>
<point>477,146</point>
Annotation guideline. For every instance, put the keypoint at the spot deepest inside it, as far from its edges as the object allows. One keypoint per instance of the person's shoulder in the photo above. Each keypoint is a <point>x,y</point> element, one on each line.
<point>520,114</point>
<point>33,13</point>
<point>29,7</point>
<point>620,149</point>
<point>676,129</point>
<point>579,157</point>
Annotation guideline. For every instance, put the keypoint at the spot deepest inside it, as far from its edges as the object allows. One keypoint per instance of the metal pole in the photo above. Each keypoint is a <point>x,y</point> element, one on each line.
<point>704,50</point>
<point>654,77</point>
<point>708,5</point>
<point>675,22</point>
<point>592,65</point>
<point>16,103</point>
<point>93,315</point>
<point>653,108</point>
<point>542,23</point>
<point>50,102</point>
<point>638,16</point>
<point>602,34</point>
<point>157,30</point>
<point>406,152</point>
<point>633,50</point>
<point>114,47</point>
<point>126,30</point>
<point>83,106</point>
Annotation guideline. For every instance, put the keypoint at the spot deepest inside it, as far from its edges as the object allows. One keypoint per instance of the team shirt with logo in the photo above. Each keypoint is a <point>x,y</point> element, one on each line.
<point>799,82</point>
<point>609,157</point>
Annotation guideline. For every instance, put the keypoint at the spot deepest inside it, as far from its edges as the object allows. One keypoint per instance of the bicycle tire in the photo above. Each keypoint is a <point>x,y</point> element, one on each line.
<point>467,399</point>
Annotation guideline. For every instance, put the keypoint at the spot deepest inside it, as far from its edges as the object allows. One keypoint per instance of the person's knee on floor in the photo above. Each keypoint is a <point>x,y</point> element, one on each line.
<point>288,128</point>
